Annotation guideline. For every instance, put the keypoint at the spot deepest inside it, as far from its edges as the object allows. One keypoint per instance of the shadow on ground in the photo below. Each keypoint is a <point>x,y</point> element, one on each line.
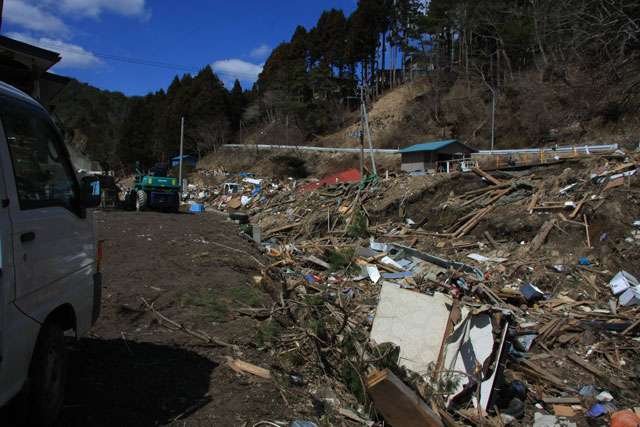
<point>126,383</point>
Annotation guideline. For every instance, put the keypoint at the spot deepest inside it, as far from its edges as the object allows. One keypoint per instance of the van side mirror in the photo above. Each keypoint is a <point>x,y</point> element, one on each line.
<point>90,192</point>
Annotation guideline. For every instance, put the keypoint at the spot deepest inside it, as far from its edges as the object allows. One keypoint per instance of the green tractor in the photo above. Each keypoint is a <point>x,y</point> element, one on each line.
<point>155,190</point>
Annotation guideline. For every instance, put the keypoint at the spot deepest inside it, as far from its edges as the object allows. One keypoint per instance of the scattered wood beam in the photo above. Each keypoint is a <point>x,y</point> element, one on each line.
<point>579,206</point>
<point>533,202</point>
<point>597,372</point>
<point>486,176</point>
<point>398,404</point>
<point>542,234</point>
<point>244,367</point>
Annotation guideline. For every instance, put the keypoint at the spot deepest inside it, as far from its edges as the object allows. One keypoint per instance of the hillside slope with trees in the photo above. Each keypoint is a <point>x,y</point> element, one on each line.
<point>556,72</point>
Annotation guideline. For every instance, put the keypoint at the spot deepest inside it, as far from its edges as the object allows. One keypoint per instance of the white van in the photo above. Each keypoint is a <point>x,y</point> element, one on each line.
<point>49,258</point>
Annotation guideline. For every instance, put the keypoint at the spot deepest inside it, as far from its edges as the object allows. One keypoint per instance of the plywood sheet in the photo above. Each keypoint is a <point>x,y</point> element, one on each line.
<point>414,321</point>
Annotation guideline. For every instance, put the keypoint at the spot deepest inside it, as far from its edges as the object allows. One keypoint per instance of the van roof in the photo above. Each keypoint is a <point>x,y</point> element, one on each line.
<point>8,90</point>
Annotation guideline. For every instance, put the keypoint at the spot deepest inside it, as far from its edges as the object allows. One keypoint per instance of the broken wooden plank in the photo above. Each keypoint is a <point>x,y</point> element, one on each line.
<point>586,228</point>
<point>542,234</point>
<point>245,367</point>
<point>534,370</point>
<point>498,195</point>
<point>597,372</point>
<point>397,403</point>
<point>490,239</point>
<point>468,226</point>
<point>579,206</point>
<point>533,202</point>
<point>486,176</point>
<point>561,400</point>
<point>461,220</point>
<point>282,228</point>
<point>564,411</point>
<point>318,261</point>
<point>630,328</point>
<point>484,190</point>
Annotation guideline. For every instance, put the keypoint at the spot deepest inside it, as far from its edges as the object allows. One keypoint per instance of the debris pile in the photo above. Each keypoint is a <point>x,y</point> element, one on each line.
<point>464,298</point>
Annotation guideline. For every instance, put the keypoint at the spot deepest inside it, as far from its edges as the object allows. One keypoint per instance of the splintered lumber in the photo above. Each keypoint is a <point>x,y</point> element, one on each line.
<point>579,206</point>
<point>397,403</point>
<point>534,370</point>
<point>491,240</point>
<point>630,328</point>
<point>244,367</point>
<point>533,202</point>
<point>542,234</point>
<point>457,224</point>
<point>481,191</point>
<point>318,261</point>
<point>499,194</point>
<point>561,400</point>
<point>614,183</point>
<point>619,169</point>
<point>486,176</point>
<point>283,228</point>
<point>596,371</point>
<point>586,228</point>
<point>473,222</point>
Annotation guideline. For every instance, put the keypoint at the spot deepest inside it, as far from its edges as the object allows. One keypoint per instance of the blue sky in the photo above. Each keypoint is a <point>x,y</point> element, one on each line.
<point>110,43</point>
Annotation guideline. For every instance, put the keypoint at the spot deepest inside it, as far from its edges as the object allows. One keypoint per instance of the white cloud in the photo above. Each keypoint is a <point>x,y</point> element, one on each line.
<point>94,8</point>
<point>33,18</point>
<point>73,56</point>
<point>261,51</point>
<point>231,69</point>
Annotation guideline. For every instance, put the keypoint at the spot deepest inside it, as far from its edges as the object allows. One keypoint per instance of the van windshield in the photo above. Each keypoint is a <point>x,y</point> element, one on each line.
<point>43,174</point>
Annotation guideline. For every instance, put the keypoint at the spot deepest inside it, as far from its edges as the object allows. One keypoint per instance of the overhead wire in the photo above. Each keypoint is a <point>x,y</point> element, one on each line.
<point>131,60</point>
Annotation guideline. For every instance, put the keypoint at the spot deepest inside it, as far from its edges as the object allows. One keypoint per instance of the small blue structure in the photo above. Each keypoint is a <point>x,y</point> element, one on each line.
<point>186,160</point>
<point>429,155</point>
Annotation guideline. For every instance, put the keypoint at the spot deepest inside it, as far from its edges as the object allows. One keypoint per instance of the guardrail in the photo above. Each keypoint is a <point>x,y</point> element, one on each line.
<point>306,148</point>
<point>575,149</point>
<point>537,156</point>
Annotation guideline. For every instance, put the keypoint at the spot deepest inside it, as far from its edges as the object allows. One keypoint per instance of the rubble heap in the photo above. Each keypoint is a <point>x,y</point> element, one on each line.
<point>498,297</point>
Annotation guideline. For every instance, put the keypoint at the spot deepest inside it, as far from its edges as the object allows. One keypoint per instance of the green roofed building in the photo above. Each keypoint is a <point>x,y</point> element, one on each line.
<point>429,156</point>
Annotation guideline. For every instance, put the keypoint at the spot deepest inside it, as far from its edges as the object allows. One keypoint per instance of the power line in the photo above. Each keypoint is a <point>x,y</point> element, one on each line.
<point>136,60</point>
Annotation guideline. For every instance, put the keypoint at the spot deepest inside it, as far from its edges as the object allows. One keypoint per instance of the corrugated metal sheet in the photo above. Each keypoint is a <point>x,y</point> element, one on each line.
<point>351,175</point>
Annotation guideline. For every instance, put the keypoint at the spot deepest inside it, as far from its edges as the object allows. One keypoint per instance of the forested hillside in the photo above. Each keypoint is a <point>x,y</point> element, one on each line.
<point>556,72</point>
<point>91,120</point>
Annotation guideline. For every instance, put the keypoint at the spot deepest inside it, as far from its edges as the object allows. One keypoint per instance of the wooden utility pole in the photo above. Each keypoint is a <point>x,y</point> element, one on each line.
<point>181,147</point>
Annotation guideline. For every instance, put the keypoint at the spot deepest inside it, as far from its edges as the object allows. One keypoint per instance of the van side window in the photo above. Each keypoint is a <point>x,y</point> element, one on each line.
<point>43,174</point>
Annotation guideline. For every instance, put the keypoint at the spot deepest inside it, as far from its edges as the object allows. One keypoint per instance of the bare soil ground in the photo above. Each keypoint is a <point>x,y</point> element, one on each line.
<point>132,370</point>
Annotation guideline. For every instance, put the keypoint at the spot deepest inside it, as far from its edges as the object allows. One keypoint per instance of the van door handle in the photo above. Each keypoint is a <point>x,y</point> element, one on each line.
<point>27,237</point>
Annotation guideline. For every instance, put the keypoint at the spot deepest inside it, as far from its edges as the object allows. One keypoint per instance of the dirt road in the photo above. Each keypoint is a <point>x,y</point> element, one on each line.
<point>133,370</point>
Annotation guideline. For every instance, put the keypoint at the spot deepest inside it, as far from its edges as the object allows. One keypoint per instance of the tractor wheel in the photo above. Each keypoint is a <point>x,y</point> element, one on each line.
<point>48,373</point>
<point>176,204</point>
<point>141,200</point>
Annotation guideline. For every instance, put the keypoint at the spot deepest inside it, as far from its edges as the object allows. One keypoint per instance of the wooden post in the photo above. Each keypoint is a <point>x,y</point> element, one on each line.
<point>542,155</point>
<point>586,227</point>
<point>526,158</point>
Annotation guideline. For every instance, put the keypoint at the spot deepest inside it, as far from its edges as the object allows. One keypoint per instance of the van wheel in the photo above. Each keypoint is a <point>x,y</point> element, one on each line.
<point>141,200</point>
<point>48,376</point>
